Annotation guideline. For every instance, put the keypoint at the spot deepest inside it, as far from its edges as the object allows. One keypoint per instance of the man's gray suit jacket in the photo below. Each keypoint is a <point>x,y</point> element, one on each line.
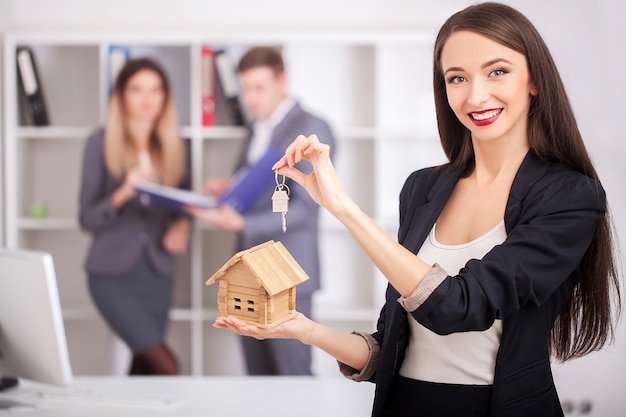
<point>261,224</point>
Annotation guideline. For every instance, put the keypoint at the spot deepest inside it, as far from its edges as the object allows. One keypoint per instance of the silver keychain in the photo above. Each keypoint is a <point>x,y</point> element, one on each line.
<point>280,200</point>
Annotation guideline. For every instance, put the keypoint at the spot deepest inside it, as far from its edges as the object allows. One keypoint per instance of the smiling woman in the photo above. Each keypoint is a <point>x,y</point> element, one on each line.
<point>505,254</point>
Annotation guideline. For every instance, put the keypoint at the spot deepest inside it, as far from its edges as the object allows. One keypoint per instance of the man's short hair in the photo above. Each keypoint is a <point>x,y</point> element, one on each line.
<point>262,56</point>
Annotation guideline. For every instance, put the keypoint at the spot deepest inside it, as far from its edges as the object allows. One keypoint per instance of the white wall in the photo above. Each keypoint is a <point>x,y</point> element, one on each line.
<point>586,39</point>
<point>203,14</point>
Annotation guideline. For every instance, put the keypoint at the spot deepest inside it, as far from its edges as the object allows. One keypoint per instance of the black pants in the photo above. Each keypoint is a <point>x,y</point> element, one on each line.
<point>409,397</point>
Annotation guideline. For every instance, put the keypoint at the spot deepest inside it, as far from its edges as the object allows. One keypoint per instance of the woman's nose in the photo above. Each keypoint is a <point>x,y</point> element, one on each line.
<point>478,92</point>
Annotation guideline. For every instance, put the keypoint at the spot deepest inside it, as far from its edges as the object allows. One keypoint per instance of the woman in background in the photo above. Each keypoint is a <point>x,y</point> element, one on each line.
<point>131,260</point>
<point>504,256</point>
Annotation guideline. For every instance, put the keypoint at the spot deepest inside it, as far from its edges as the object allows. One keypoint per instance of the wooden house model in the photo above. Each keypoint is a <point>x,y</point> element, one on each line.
<point>258,285</point>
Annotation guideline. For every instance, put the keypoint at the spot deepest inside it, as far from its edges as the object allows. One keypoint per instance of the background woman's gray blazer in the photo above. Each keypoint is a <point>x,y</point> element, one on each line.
<point>119,236</point>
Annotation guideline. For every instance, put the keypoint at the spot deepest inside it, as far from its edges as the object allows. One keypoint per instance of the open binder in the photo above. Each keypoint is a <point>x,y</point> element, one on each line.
<point>245,188</point>
<point>172,198</point>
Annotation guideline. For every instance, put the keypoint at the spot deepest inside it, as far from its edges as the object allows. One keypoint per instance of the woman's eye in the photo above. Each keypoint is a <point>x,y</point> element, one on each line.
<point>456,79</point>
<point>498,72</point>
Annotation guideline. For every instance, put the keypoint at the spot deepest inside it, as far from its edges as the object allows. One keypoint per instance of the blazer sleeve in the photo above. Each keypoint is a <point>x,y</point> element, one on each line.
<point>541,252</point>
<point>96,208</point>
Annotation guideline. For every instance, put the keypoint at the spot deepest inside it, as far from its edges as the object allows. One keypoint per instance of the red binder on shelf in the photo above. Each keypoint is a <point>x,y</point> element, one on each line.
<point>207,86</point>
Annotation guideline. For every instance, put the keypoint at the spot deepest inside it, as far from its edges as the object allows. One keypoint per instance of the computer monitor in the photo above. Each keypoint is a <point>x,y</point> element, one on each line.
<point>32,336</point>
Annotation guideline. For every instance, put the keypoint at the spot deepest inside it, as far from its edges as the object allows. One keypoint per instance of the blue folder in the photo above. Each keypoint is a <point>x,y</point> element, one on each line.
<point>171,198</point>
<point>249,183</point>
<point>245,188</point>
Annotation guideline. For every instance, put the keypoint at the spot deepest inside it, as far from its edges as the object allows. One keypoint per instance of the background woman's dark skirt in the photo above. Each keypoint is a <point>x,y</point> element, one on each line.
<point>135,305</point>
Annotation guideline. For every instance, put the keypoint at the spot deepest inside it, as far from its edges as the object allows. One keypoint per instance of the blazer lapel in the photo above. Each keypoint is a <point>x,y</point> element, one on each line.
<point>282,135</point>
<point>425,215</point>
<point>532,169</point>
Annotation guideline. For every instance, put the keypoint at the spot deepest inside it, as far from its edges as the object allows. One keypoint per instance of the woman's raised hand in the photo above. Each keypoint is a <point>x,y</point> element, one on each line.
<point>322,184</point>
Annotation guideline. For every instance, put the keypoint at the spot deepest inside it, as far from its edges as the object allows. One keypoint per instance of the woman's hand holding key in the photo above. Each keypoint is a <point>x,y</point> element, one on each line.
<point>322,184</point>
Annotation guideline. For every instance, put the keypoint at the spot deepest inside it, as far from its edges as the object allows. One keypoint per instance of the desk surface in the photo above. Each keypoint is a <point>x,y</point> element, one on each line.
<point>198,396</point>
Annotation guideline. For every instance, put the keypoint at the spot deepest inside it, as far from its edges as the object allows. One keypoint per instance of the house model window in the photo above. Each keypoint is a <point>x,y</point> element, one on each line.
<point>258,285</point>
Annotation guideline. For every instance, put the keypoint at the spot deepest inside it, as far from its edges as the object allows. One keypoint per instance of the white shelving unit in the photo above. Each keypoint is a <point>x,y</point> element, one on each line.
<point>374,89</point>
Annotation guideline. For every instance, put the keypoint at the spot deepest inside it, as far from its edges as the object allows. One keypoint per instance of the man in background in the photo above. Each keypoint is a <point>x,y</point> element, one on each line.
<point>277,120</point>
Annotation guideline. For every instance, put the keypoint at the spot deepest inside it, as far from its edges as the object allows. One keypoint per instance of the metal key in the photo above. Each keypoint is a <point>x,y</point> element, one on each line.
<point>280,201</point>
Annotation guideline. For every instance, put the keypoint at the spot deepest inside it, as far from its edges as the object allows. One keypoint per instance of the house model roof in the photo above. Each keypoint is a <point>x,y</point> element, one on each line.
<point>272,265</point>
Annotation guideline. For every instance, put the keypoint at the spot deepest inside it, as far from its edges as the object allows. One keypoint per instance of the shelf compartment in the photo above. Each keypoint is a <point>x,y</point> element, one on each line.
<point>70,93</point>
<point>42,162</point>
<point>68,249</point>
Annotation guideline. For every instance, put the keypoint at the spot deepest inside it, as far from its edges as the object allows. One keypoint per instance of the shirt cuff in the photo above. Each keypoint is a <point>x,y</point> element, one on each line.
<point>370,366</point>
<point>425,288</point>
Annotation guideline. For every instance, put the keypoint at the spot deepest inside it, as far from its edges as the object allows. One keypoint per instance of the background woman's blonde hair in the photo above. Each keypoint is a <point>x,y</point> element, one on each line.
<point>166,146</point>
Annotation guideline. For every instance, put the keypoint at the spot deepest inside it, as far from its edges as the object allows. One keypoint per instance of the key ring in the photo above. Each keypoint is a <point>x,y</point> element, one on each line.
<point>279,185</point>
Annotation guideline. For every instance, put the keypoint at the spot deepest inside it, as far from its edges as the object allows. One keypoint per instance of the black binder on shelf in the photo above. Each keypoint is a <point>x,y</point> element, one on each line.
<point>228,90</point>
<point>31,91</point>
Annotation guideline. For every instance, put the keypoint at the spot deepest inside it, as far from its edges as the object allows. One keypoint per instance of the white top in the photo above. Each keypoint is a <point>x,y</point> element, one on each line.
<point>145,162</point>
<point>262,130</point>
<point>458,358</point>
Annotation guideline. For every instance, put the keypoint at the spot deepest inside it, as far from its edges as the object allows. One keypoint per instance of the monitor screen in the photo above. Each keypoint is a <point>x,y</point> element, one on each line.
<point>32,336</point>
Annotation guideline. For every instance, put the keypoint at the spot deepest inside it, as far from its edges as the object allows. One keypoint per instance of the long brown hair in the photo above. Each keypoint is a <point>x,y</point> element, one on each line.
<point>166,145</point>
<point>586,322</point>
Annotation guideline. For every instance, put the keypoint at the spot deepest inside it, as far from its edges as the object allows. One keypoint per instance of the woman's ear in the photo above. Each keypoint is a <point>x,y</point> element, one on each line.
<point>533,89</point>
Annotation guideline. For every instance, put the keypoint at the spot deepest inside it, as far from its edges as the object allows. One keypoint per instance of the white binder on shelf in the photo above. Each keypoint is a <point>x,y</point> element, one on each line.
<point>118,55</point>
<point>229,86</point>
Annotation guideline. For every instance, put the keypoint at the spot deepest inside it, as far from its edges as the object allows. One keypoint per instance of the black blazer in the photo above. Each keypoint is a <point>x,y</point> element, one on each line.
<point>550,218</point>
